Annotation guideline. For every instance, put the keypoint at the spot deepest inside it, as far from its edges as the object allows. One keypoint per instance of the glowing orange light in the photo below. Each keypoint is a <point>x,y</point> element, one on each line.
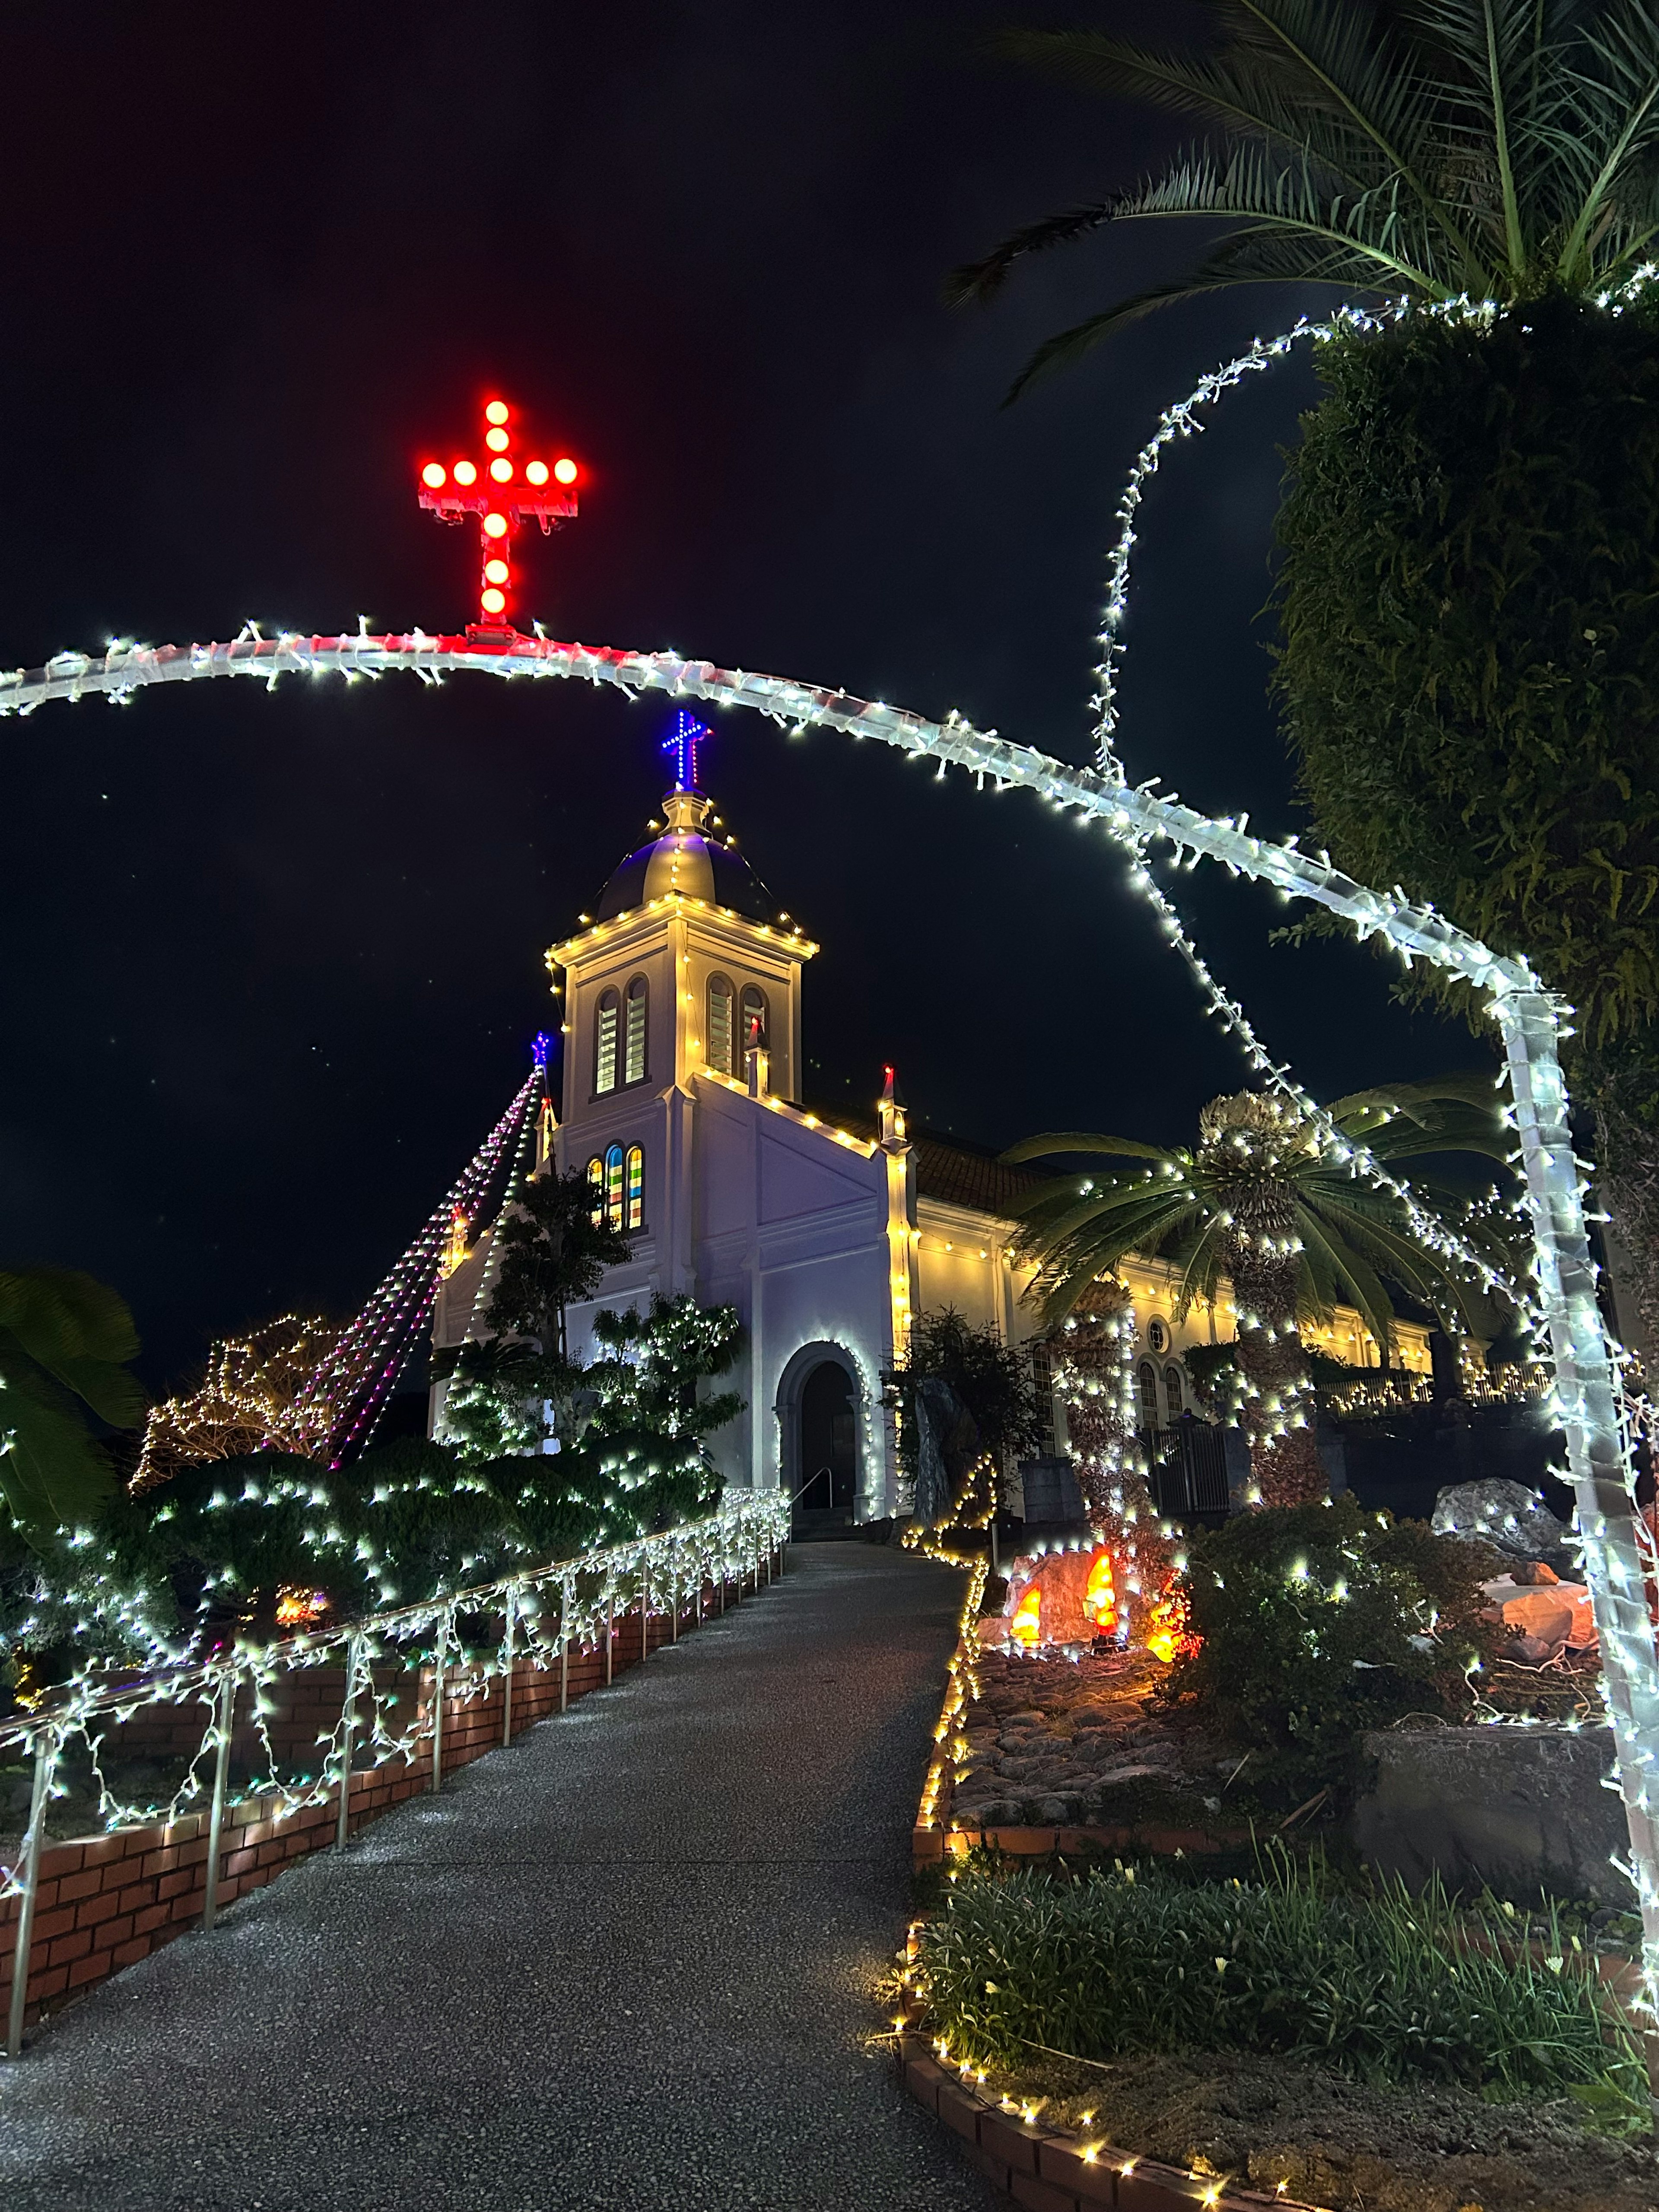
<point>1099,1598</point>
<point>495,572</point>
<point>502,470</point>
<point>565,471</point>
<point>433,474</point>
<point>1026,1626</point>
<point>492,601</point>
<point>496,441</point>
<point>1167,1636</point>
<point>466,472</point>
<point>497,412</point>
<point>537,471</point>
<point>495,526</point>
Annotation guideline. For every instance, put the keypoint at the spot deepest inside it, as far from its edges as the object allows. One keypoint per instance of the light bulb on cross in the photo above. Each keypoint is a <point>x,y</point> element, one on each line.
<point>503,501</point>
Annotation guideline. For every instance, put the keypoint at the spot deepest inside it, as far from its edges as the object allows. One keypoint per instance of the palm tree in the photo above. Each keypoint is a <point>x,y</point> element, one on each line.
<point>1268,1202</point>
<point>65,1341</point>
<point>1429,149</point>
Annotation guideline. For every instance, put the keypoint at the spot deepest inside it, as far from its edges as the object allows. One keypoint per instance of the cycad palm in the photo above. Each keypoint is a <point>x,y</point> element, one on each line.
<point>1424,148</point>
<point>64,1344</point>
<point>1267,1203</point>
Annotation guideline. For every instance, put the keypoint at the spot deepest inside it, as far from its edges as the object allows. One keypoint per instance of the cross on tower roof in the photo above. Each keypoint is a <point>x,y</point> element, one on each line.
<point>680,746</point>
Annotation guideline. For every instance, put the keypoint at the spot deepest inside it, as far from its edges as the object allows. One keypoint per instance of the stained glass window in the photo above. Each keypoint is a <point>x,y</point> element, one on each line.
<point>636,1188</point>
<point>613,1185</point>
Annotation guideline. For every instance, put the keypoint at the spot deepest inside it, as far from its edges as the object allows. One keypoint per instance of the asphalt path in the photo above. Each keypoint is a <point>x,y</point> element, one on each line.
<point>627,1963</point>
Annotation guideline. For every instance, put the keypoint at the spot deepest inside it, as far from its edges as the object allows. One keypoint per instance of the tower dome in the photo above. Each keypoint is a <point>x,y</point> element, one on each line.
<point>689,858</point>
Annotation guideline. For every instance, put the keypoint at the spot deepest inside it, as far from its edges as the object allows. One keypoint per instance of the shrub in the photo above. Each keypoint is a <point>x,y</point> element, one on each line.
<point>1389,1988</point>
<point>1320,1622</point>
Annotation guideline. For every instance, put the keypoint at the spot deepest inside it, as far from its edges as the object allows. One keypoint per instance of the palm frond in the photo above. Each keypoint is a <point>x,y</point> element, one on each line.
<point>1083,1141</point>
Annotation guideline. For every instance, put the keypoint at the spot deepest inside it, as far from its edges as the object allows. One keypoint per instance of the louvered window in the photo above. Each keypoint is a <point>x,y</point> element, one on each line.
<point>719,1054</point>
<point>634,1069</point>
<point>754,1016</point>
<point>1174,1398</point>
<point>604,1044</point>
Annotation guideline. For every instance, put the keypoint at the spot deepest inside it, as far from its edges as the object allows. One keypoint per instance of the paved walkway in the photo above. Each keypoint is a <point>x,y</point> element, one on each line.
<point>626,1964</point>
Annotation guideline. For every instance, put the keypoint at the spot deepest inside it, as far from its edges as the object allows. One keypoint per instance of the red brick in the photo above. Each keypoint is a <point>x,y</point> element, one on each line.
<point>95,1968</point>
<point>48,1924</point>
<point>62,1858</point>
<point>1063,2164</point>
<point>1042,2196</point>
<point>239,1862</point>
<point>42,1986</point>
<point>115,1932</point>
<point>86,1884</point>
<point>958,2110</point>
<point>174,1884</point>
<point>136,1896</point>
<point>186,1908</point>
<point>1150,2187</point>
<point>924,2080</point>
<point>101,1849</point>
<point>992,2168</point>
<point>75,1945</point>
<point>153,1916</point>
<point>45,1896</point>
<point>91,1910</point>
<point>1009,2141</point>
<point>129,1953</point>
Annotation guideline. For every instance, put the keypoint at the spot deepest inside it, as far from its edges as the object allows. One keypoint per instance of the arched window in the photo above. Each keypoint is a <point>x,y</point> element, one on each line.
<point>596,1184</point>
<point>636,1188</point>
<point>1146,1378</point>
<point>604,1043</point>
<point>718,1035</point>
<point>1174,1396</point>
<point>634,1056</point>
<point>754,1016</point>
<point>613,1186</point>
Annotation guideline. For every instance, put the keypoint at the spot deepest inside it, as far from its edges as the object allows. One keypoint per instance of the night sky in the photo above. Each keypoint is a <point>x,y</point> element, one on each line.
<point>272,962</point>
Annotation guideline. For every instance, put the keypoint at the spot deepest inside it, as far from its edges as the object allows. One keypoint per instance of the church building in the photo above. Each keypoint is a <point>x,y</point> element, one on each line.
<point>683,1104</point>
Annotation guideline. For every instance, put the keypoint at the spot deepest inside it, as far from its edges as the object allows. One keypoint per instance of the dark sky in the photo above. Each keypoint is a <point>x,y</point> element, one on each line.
<point>272,962</point>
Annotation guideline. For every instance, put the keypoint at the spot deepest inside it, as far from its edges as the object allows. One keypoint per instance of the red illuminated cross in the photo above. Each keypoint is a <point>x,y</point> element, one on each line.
<point>503,493</point>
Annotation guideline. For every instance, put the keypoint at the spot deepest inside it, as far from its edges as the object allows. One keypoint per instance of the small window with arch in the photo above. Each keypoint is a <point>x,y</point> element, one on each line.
<point>1146,1380</point>
<point>717,1037</point>
<point>607,1023</point>
<point>634,1048</point>
<point>613,1186</point>
<point>1174,1395</point>
<point>636,1188</point>
<point>754,1017</point>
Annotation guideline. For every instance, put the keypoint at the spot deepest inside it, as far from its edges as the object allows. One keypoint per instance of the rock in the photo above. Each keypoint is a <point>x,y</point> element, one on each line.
<point>1507,1516</point>
<point>1053,1812</point>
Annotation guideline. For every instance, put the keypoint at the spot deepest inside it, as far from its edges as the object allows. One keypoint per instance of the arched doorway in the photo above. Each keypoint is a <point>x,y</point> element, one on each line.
<point>829,1439</point>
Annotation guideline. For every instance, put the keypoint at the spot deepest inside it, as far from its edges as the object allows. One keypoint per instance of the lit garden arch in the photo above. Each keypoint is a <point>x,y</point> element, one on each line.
<point>1529,1019</point>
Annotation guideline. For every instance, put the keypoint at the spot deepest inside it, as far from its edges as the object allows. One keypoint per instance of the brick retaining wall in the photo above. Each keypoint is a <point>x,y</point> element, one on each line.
<point>107,1900</point>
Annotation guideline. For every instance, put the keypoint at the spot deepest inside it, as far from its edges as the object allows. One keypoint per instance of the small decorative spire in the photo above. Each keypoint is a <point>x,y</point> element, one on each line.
<point>889,1114</point>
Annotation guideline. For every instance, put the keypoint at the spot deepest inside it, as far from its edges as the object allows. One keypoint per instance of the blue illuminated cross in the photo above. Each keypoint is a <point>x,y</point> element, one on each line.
<point>680,746</point>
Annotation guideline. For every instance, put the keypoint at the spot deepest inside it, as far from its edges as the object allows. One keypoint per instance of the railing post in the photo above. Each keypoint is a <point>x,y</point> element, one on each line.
<point>610,1624</point>
<point>47,1745</point>
<point>645,1605</point>
<point>674,1604</point>
<point>438,1703</point>
<point>506,1668</point>
<point>566,1592</point>
<point>348,1733</point>
<point>220,1776</point>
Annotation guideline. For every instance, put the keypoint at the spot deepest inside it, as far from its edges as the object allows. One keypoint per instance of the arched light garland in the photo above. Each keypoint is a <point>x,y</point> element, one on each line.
<point>1528,1016</point>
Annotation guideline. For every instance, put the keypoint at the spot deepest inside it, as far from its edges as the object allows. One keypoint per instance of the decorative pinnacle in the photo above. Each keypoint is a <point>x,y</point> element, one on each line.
<point>680,748</point>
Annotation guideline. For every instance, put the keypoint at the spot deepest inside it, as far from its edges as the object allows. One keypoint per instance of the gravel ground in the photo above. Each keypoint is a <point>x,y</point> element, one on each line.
<point>627,1963</point>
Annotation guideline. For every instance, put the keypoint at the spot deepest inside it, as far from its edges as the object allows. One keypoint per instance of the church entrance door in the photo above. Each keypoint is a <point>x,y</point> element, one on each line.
<point>828,1448</point>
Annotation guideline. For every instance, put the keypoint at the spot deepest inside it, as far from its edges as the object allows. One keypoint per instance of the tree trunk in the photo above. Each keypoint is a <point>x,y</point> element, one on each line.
<point>1623,1089</point>
<point>1278,1400</point>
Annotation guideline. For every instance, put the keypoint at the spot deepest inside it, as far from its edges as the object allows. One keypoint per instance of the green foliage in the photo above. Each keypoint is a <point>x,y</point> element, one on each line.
<point>1470,666</point>
<point>1260,1168</point>
<point>1390,1988</point>
<point>1320,1622</point>
<point>65,1341</point>
<point>554,1251</point>
<point>1495,150</point>
<point>493,1406</point>
<point>992,1380</point>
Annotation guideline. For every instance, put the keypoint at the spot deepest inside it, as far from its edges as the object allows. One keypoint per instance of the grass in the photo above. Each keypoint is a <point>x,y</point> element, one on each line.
<point>1389,1988</point>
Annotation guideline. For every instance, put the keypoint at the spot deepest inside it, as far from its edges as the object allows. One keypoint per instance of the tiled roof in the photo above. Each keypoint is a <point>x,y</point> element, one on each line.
<point>954,1172</point>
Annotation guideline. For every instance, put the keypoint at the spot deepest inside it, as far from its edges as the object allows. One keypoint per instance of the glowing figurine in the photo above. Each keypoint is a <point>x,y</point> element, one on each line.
<point>503,493</point>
